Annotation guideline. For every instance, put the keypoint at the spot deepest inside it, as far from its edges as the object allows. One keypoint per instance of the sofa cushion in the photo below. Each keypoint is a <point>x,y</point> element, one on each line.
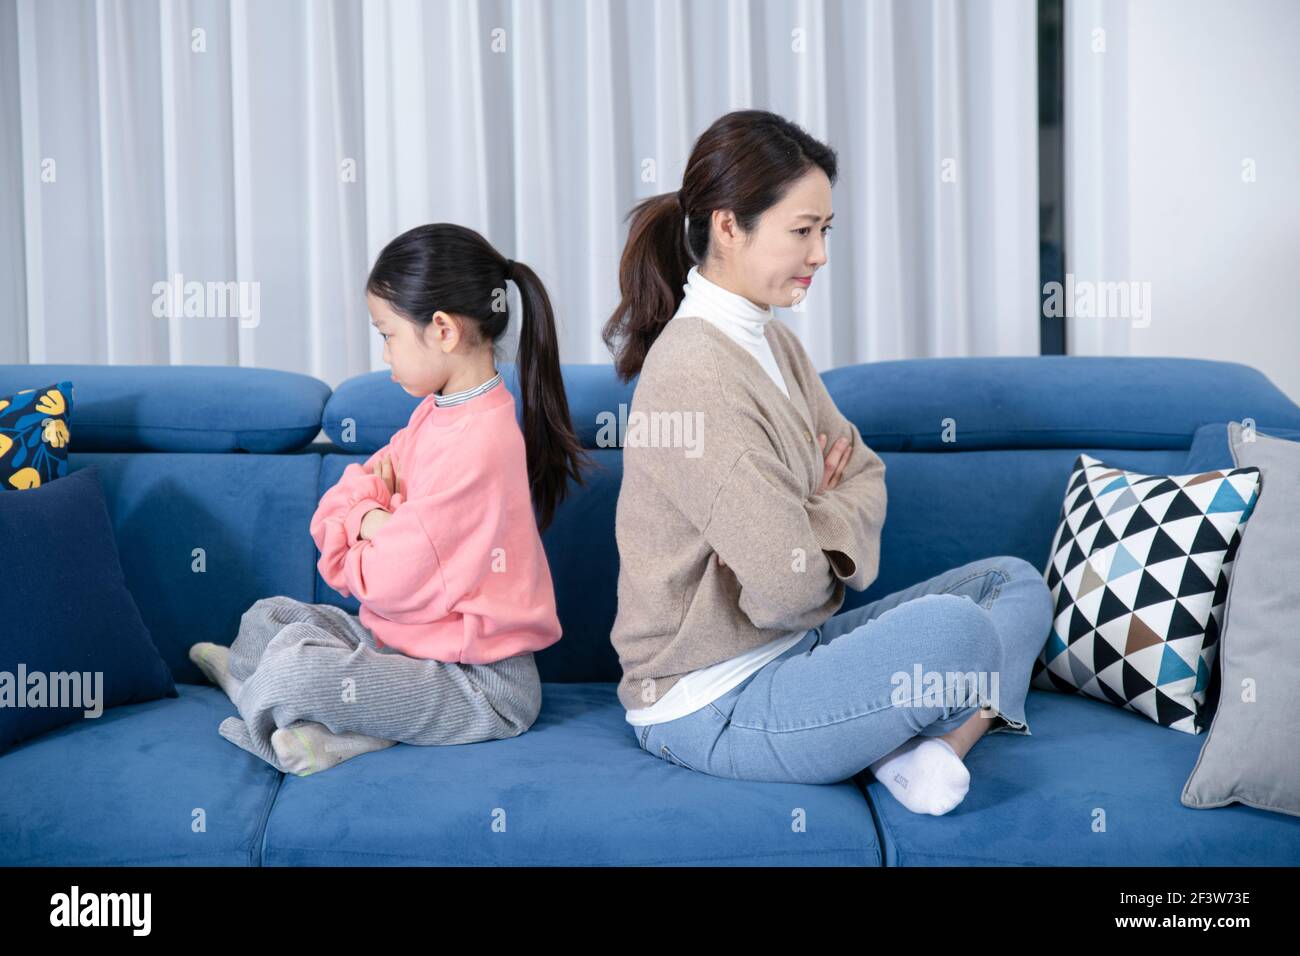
<point>1139,574</point>
<point>203,537</point>
<point>192,408</point>
<point>72,643</point>
<point>995,402</point>
<point>1094,786</point>
<point>949,508</point>
<point>969,403</point>
<point>574,790</point>
<point>150,784</point>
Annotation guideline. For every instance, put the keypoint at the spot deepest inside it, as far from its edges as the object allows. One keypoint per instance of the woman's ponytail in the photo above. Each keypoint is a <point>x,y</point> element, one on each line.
<point>650,277</point>
<point>554,452</point>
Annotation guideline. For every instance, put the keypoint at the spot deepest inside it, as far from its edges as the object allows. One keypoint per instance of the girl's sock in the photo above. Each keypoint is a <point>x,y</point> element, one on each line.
<point>925,775</point>
<point>306,747</point>
<point>214,661</point>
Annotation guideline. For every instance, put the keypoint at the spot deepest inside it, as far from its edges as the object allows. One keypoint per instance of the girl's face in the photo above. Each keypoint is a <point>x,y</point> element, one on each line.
<point>419,357</point>
<point>773,265</point>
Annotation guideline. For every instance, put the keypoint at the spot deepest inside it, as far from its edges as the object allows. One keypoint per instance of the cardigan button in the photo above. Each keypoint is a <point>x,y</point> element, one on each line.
<point>808,435</point>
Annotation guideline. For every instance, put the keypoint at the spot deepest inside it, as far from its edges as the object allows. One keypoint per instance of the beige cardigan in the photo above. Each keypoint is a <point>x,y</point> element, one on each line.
<point>718,463</point>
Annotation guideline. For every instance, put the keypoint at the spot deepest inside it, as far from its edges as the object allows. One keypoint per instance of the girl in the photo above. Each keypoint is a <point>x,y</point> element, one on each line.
<point>734,559</point>
<point>436,535</point>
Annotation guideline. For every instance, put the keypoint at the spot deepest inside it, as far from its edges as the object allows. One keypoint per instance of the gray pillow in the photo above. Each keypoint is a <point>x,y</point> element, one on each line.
<point>1252,752</point>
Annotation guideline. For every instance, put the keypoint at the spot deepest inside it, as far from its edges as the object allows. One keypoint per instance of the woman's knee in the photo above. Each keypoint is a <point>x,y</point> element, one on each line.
<point>1020,571</point>
<point>1032,581</point>
<point>967,638</point>
<point>1017,567</point>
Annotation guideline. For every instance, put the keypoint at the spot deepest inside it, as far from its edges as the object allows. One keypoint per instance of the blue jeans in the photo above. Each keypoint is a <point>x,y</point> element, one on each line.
<point>869,679</point>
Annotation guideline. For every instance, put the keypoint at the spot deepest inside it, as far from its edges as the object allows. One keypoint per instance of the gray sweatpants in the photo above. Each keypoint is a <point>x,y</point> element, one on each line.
<point>317,662</point>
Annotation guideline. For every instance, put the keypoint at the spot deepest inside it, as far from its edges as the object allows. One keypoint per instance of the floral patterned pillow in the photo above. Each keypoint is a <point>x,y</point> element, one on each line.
<point>34,436</point>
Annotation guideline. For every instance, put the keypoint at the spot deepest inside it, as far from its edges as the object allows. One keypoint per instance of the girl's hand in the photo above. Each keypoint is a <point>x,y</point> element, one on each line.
<point>374,519</point>
<point>386,469</point>
<point>836,459</point>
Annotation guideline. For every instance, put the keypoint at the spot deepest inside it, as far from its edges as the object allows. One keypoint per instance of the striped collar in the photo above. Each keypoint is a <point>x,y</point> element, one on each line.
<point>464,395</point>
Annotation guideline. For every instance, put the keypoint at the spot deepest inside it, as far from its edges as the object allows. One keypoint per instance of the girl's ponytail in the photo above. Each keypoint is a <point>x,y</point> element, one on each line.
<point>554,452</point>
<point>446,267</point>
<point>650,277</point>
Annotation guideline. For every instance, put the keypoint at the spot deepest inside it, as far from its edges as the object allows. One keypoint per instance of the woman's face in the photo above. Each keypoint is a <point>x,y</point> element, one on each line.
<point>416,356</point>
<point>787,245</point>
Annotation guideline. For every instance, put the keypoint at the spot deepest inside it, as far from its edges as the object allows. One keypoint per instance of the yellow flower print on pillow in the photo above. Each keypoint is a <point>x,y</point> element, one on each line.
<point>55,432</point>
<point>25,478</point>
<point>51,403</point>
<point>35,436</point>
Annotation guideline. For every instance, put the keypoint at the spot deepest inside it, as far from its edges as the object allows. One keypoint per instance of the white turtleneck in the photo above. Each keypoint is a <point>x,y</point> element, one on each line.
<point>742,320</point>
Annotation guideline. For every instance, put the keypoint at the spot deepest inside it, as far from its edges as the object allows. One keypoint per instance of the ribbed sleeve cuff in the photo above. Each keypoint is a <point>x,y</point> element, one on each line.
<point>368,493</point>
<point>835,537</point>
<point>352,521</point>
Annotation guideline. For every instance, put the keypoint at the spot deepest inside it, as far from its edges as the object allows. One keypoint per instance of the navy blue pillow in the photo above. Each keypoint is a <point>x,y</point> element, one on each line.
<point>66,612</point>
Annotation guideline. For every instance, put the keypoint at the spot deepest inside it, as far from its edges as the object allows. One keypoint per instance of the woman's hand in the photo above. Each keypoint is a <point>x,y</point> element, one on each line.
<point>374,519</point>
<point>836,459</point>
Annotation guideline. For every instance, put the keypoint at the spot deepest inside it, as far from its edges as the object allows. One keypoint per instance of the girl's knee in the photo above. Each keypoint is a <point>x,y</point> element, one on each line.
<point>266,606</point>
<point>298,641</point>
<point>277,610</point>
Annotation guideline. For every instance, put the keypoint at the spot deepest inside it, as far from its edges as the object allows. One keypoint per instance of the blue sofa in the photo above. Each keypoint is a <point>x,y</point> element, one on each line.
<point>226,460</point>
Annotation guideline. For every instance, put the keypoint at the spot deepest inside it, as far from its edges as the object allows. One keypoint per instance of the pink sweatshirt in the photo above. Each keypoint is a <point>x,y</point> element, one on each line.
<point>458,573</point>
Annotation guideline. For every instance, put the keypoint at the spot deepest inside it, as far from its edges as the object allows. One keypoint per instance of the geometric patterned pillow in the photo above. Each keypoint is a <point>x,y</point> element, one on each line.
<point>1139,572</point>
<point>34,435</point>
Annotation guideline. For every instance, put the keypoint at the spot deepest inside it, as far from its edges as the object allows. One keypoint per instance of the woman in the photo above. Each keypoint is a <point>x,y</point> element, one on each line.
<point>749,503</point>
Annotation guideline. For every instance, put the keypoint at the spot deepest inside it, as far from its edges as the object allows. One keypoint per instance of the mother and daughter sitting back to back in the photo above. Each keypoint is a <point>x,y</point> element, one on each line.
<point>734,558</point>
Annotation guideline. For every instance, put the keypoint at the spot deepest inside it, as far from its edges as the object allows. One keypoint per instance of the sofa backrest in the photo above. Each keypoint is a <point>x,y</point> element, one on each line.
<point>211,473</point>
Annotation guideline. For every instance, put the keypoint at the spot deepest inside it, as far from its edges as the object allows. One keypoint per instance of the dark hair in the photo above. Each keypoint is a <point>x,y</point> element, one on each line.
<point>445,267</point>
<point>745,162</point>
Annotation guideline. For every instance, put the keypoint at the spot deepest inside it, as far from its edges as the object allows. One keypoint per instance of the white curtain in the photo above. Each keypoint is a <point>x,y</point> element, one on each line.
<point>282,144</point>
<point>1097,160</point>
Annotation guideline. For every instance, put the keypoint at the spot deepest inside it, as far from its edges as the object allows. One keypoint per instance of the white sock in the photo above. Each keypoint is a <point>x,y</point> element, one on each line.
<point>925,775</point>
<point>214,661</point>
<point>306,747</point>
